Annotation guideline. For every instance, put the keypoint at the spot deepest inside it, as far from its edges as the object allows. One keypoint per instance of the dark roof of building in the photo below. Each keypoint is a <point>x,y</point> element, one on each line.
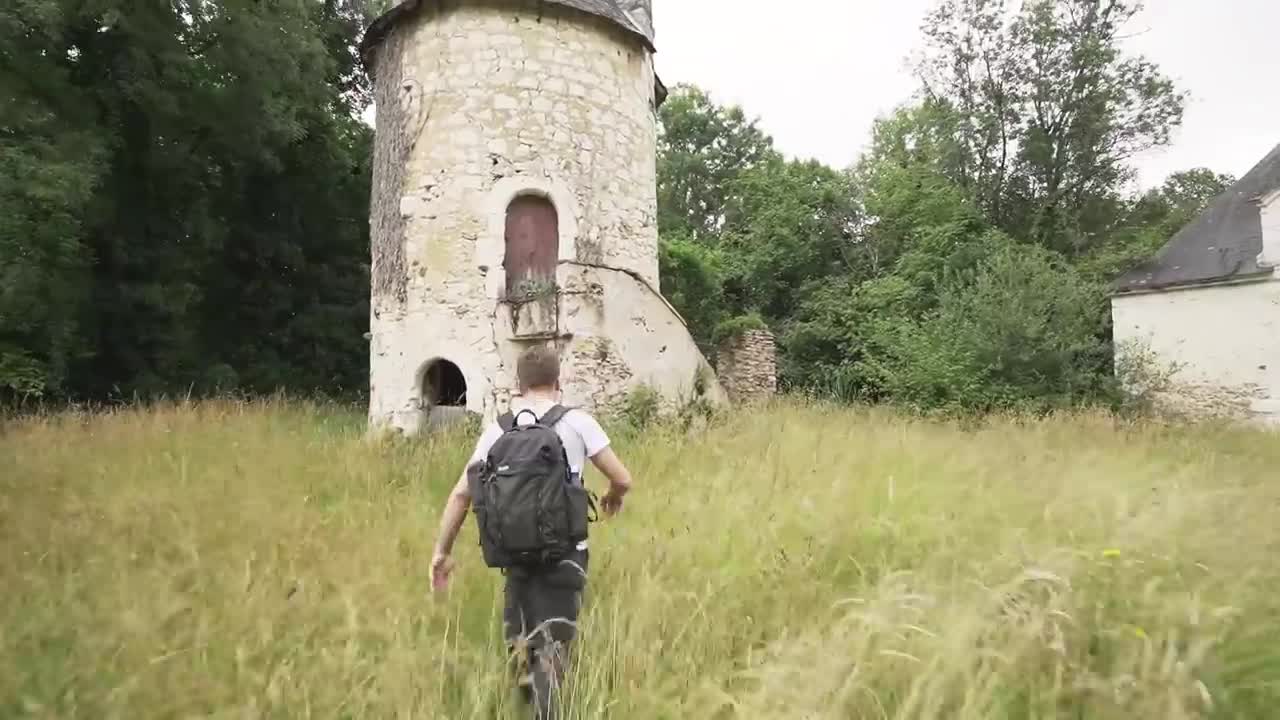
<point>607,9</point>
<point>611,10</point>
<point>1222,243</point>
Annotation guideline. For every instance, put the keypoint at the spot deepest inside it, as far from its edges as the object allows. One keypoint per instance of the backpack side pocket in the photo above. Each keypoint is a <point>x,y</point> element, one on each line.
<point>582,511</point>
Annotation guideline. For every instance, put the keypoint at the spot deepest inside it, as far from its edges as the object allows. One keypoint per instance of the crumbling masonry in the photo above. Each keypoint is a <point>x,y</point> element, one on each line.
<point>748,366</point>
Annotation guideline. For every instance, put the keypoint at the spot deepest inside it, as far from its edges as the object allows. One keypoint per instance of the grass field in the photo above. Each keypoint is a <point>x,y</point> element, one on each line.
<point>267,561</point>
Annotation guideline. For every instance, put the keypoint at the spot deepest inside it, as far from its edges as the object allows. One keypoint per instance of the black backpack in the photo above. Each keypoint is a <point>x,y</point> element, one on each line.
<point>529,508</point>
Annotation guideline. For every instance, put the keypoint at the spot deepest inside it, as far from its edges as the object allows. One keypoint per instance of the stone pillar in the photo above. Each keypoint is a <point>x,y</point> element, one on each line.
<point>747,364</point>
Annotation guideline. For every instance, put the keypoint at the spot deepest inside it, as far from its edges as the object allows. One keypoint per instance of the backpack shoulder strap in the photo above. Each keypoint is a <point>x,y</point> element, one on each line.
<point>506,421</point>
<point>554,415</point>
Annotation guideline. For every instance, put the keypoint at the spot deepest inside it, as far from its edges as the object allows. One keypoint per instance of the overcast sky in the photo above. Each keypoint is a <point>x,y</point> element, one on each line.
<point>818,72</point>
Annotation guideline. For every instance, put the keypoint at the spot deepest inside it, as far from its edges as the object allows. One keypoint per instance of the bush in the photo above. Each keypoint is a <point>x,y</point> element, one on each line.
<point>640,408</point>
<point>1140,377</point>
<point>1020,331</point>
<point>736,326</point>
<point>693,281</point>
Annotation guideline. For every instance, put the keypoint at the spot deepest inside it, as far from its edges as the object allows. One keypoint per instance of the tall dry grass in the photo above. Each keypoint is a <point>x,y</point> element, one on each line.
<point>266,561</point>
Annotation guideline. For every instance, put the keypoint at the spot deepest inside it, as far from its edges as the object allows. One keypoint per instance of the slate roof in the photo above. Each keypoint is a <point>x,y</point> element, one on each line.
<point>1221,244</point>
<point>607,9</point>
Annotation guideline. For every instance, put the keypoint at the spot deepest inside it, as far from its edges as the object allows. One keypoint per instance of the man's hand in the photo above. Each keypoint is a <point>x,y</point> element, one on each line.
<point>619,480</point>
<point>455,511</point>
<point>441,569</point>
<point>611,503</point>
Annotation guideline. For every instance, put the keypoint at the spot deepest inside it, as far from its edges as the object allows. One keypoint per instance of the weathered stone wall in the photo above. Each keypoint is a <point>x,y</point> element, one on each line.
<point>748,366</point>
<point>390,156</point>
<point>501,99</point>
<point>625,334</point>
<point>511,90</point>
<point>1221,343</point>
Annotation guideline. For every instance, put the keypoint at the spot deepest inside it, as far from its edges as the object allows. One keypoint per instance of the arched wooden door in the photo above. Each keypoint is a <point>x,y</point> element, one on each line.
<point>533,244</point>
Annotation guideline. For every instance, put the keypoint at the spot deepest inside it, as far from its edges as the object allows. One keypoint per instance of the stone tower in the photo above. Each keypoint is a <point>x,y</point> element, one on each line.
<point>514,202</point>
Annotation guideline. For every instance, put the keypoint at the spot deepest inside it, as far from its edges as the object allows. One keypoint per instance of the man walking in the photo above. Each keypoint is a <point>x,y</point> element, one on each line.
<point>542,599</point>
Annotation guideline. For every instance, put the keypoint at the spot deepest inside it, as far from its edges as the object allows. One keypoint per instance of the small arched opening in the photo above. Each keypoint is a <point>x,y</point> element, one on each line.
<point>532,242</point>
<point>444,385</point>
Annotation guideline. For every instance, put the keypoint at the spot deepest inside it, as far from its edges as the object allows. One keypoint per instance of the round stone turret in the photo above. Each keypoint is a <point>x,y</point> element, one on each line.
<point>514,202</point>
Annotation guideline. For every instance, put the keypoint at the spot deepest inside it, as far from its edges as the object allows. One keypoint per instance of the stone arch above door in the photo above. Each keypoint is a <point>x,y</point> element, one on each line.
<point>491,248</point>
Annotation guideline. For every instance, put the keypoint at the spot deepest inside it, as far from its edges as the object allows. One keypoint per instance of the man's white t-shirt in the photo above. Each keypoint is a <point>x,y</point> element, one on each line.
<point>582,436</point>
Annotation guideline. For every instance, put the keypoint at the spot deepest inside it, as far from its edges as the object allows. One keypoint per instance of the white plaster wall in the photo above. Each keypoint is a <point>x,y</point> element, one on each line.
<point>1226,338</point>
<point>508,99</point>
<point>1270,256</point>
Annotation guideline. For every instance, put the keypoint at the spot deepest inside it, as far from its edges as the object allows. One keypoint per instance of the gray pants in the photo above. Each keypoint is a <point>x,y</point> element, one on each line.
<point>540,619</point>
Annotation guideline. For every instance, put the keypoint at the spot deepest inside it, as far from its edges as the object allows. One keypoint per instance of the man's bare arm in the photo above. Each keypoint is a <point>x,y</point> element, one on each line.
<point>607,462</point>
<point>454,515</point>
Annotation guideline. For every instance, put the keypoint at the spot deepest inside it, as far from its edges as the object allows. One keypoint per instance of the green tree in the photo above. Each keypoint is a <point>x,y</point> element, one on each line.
<point>921,232</point>
<point>703,148</point>
<point>693,281</point>
<point>895,282</point>
<point>788,223</point>
<point>51,163</point>
<point>1150,220</point>
<point>1017,331</point>
<point>183,196</point>
<point>745,232</point>
<point>1047,112</point>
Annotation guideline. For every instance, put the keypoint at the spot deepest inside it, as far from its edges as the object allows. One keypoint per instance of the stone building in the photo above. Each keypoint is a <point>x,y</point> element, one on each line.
<point>514,202</point>
<point>1207,306</point>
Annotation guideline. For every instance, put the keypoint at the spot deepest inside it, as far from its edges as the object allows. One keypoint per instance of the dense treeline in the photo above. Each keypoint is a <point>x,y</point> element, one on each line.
<point>963,262</point>
<point>183,197</point>
<point>184,192</point>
